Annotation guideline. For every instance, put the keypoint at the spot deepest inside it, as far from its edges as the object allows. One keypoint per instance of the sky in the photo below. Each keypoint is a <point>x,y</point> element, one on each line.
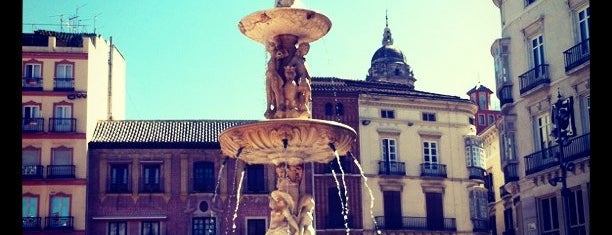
<point>188,60</point>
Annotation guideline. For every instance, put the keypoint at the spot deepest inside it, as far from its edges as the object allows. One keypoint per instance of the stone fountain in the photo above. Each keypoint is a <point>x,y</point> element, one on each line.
<point>289,137</point>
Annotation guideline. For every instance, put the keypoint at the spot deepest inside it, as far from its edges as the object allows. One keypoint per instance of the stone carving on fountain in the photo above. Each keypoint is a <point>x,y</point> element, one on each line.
<point>290,137</point>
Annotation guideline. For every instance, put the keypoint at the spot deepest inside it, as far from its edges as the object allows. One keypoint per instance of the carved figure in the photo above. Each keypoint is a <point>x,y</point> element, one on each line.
<point>304,96</point>
<point>274,82</point>
<point>282,221</point>
<point>290,88</point>
<point>299,61</point>
<point>305,217</point>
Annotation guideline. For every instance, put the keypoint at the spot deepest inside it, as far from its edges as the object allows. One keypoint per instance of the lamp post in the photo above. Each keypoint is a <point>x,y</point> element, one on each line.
<point>561,115</point>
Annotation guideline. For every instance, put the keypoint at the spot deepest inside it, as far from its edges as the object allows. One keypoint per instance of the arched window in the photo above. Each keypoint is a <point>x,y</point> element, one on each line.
<point>329,109</point>
<point>339,109</point>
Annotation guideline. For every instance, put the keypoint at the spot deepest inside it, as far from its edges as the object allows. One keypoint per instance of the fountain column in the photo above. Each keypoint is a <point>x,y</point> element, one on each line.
<point>289,137</point>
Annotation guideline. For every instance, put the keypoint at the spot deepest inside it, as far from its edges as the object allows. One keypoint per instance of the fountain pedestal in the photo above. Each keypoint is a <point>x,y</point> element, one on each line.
<point>290,137</point>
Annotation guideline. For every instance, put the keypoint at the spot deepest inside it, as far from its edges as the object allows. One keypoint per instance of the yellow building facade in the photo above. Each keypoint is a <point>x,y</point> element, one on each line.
<point>69,81</point>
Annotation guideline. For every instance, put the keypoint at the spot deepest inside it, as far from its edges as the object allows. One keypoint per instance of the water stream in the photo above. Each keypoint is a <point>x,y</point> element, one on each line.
<point>365,182</point>
<point>345,209</point>
<point>237,200</point>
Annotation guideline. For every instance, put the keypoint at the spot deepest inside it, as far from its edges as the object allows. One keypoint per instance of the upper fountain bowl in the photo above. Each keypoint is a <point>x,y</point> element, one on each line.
<point>263,26</point>
<point>289,140</point>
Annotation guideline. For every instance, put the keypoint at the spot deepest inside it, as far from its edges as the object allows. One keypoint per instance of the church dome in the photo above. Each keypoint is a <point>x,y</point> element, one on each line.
<point>389,54</point>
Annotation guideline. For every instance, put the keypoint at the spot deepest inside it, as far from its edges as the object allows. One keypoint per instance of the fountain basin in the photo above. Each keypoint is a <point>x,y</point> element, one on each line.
<point>263,26</point>
<point>287,140</point>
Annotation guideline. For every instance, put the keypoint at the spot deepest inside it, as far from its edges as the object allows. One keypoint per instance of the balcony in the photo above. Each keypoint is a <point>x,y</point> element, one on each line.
<point>118,187</point>
<point>63,84</point>
<point>32,171</point>
<point>61,171</point>
<point>32,125</point>
<point>511,173</point>
<point>505,95</point>
<point>533,78</point>
<point>391,168</point>
<point>433,170</point>
<point>476,173</point>
<point>415,223</point>
<point>59,223</point>
<point>480,225</point>
<point>62,125</point>
<point>503,192</point>
<point>156,187</point>
<point>31,84</point>
<point>577,55</point>
<point>578,147</point>
<point>31,224</point>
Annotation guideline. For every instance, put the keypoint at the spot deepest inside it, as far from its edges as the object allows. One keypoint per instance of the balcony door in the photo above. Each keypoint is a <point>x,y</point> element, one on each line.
<point>393,209</point>
<point>435,212</point>
<point>63,118</point>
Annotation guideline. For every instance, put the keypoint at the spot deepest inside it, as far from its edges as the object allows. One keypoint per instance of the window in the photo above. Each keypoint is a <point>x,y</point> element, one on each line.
<point>576,211</point>
<point>151,178</point>
<point>481,120</point>
<point>150,228</point>
<point>117,228</point>
<point>471,121</point>
<point>119,175</point>
<point>508,220</point>
<point>61,163</point>
<point>585,110</point>
<point>255,179</point>
<point>474,152</point>
<point>490,119</point>
<point>528,2</point>
<point>584,23</point>
<point>329,109</point>
<point>537,50</point>
<point>392,203</point>
<point>435,211</point>
<point>430,153</point>
<point>203,177</point>
<point>31,118</point>
<point>256,226</point>
<point>204,226</point>
<point>32,70</point>
<point>64,71</point>
<point>549,215</point>
<point>387,114</point>
<point>30,163</point>
<point>60,211</point>
<point>507,141</point>
<point>29,206</point>
<point>31,111</point>
<point>482,101</point>
<point>478,204</point>
<point>430,117</point>
<point>543,127</point>
<point>493,225</point>
<point>389,149</point>
<point>339,109</point>
<point>62,118</point>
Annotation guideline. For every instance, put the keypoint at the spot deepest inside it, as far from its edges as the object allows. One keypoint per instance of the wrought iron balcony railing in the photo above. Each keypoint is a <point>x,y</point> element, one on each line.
<point>31,84</point>
<point>533,78</point>
<point>337,222</point>
<point>59,223</point>
<point>32,171</point>
<point>391,168</point>
<point>415,223</point>
<point>62,124</point>
<point>433,170</point>
<point>31,223</point>
<point>476,173</point>
<point>61,171</point>
<point>480,225</point>
<point>577,55</point>
<point>32,125</point>
<point>578,147</point>
<point>511,172</point>
<point>63,84</point>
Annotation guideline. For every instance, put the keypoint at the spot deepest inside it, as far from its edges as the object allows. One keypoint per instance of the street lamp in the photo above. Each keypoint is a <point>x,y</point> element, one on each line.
<point>561,112</point>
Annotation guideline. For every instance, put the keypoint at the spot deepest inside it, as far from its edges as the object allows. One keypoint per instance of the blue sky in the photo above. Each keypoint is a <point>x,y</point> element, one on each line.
<point>187,59</point>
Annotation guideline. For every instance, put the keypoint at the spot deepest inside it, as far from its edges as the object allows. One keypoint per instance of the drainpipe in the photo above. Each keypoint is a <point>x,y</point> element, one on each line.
<point>110,79</point>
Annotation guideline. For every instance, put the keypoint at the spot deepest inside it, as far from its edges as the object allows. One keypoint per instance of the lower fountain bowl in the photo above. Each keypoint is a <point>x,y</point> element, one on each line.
<point>287,140</point>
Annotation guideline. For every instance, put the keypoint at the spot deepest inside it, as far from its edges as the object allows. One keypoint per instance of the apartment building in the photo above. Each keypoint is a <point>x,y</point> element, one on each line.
<point>542,77</point>
<point>59,110</point>
<point>419,157</point>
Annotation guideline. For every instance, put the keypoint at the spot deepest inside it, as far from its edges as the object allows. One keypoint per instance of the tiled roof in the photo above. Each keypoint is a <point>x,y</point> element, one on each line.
<point>160,133</point>
<point>330,84</point>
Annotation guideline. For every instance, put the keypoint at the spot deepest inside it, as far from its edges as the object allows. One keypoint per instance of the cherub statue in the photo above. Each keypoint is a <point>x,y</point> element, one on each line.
<point>282,221</point>
<point>274,82</point>
<point>305,217</point>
